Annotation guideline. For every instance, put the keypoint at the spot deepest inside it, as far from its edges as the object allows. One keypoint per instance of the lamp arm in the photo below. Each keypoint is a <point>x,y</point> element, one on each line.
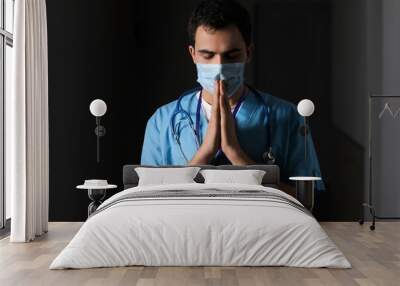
<point>98,137</point>
<point>305,138</point>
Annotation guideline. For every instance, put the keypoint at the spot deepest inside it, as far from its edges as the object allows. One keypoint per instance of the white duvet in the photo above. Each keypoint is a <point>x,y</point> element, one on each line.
<point>200,231</point>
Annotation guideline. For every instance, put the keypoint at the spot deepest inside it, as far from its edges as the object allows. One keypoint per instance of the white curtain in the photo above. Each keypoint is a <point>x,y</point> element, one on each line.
<point>26,124</point>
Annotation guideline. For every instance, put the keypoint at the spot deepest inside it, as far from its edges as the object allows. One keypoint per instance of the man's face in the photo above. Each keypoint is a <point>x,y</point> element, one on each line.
<point>219,46</point>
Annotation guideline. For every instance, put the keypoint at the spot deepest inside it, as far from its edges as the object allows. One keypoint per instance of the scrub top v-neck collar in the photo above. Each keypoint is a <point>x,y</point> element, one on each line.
<point>207,108</point>
<point>247,107</point>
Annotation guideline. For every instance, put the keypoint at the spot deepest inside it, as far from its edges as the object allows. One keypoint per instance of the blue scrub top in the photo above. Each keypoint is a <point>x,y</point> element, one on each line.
<point>160,147</point>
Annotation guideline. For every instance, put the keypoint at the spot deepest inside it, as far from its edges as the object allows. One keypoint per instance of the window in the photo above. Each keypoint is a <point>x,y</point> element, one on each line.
<point>6,62</point>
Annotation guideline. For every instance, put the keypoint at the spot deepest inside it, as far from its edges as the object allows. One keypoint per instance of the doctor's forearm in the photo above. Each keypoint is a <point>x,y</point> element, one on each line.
<point>202,157</point>
<point>238,157</point>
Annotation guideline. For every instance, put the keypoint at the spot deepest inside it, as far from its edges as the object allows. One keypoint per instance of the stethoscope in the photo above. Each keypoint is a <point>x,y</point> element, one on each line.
<point>268,155</point>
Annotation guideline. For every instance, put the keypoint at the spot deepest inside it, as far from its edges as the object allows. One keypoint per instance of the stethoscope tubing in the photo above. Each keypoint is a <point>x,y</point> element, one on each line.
<point>268,155</point>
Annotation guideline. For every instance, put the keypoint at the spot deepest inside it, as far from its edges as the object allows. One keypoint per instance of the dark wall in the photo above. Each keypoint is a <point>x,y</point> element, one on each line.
<point>133,55</point>
<point>119,52</point>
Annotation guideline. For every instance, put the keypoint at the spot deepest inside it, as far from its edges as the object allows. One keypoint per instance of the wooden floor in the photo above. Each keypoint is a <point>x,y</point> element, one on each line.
<point>375,256</point>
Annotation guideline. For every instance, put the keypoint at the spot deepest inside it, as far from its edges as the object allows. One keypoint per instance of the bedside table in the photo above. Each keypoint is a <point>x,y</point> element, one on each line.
<point>305,190</point>
<point>96,194</point>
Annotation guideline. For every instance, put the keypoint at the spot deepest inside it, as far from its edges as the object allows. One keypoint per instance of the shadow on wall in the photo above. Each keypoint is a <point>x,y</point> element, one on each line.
<point>293,60</point>
<point>344,180</point>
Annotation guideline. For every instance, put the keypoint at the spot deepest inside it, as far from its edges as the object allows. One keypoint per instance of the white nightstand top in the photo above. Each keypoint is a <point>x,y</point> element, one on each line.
<point>88,187</point>
<point>305,178</point>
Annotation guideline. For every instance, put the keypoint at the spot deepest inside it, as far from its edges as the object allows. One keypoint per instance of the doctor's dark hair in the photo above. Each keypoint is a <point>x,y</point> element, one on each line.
<point>218,14</point>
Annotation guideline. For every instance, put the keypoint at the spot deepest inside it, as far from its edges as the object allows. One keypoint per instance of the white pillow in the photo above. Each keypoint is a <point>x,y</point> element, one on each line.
<point>163,176</point>
<point>248,177</point>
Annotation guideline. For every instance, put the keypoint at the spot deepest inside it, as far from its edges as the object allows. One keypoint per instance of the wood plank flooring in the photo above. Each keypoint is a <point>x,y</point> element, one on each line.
<point>375,257</point>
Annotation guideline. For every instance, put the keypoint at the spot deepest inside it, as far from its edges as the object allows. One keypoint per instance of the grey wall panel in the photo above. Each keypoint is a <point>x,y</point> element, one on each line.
<point>385,154</point>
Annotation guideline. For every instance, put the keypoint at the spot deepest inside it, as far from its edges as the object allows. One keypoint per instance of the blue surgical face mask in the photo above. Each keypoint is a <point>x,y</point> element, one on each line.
<point>232,74</point>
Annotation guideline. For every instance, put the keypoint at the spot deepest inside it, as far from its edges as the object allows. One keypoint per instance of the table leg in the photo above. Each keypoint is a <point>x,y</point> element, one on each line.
<point>97,196</point>
<point>305,193</point>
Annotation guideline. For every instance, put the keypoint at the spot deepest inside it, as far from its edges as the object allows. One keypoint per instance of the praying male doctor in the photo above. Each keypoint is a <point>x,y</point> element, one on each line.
<point>225,121</point>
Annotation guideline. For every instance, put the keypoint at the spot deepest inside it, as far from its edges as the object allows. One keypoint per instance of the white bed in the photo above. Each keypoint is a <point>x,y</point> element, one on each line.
<point>185,230</point>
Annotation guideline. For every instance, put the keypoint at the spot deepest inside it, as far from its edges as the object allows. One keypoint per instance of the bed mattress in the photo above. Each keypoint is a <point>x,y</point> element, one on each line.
<point>201,225</point>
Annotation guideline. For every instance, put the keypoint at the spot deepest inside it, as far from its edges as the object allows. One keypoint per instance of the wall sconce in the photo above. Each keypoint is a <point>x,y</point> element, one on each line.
<point>305,109</point>
<point>305,184</point>
<point>98,108</point>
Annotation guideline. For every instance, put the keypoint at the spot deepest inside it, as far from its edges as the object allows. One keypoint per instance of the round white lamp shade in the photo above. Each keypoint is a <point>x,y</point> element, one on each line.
<point>98,107</point>
<point>305,107</point>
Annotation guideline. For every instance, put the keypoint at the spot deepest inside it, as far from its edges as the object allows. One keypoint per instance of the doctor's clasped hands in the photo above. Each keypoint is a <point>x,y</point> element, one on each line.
<point>221,132</point>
